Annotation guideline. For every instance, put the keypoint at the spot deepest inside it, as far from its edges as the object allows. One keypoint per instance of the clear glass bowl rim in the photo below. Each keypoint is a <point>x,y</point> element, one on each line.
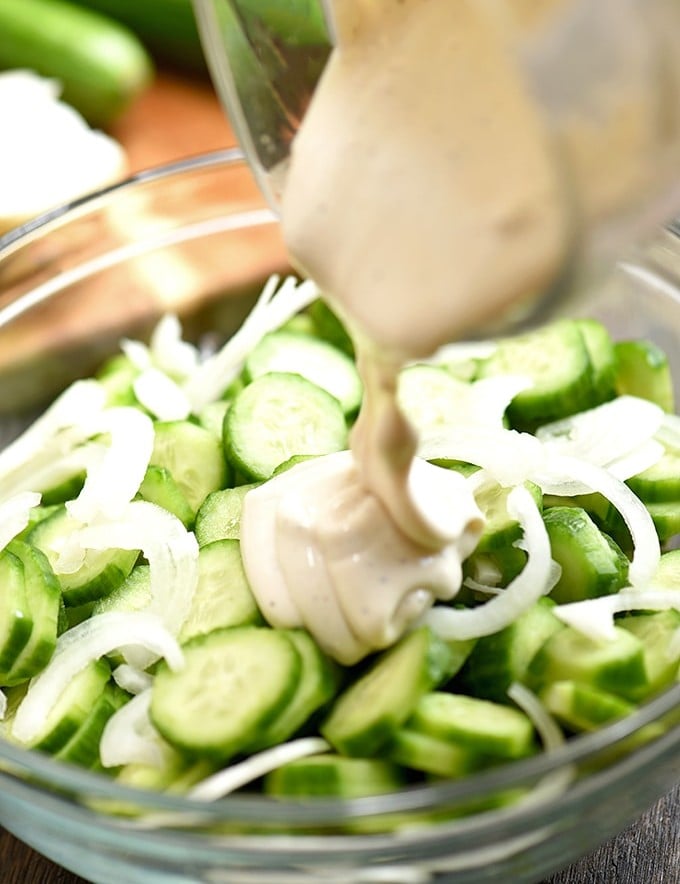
<point>65,778</point>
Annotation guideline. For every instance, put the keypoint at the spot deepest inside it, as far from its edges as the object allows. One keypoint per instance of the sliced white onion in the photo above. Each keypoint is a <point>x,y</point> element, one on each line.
<point>112,483</point>
<point>644,457</point>
<point>595,617</point>
<point>171,550</point>
<point>511,458</point>
<point>161,395</point>
<point>237,775</point>
<point>51,473</point>
<point>533,582</point>
<point>606,433</point>
<point>647,551</point>
<point>131,679</point>
<point>3,705</point>
<point>74,408</point>
<point>271,310</point>
<point>173,355</point>
<point>549,731</point>
<point>15,514</point>
<point>669,431</point>
<point>137,352</point>
<point>80,646</point>
<point>129,737</point>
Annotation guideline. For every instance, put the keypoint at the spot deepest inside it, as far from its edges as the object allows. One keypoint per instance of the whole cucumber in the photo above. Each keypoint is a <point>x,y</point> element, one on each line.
<point>166,27</point>
<point>101,65</point>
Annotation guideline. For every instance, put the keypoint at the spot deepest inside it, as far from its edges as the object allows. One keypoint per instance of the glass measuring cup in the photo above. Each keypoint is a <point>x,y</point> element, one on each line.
<point>605,77</point>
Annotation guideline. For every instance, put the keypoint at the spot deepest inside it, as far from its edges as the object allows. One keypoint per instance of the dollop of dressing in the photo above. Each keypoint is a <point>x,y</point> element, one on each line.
<point>422,196</point>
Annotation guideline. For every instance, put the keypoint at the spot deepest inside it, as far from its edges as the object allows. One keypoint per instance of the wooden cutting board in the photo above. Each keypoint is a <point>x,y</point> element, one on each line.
<point>177,117</point>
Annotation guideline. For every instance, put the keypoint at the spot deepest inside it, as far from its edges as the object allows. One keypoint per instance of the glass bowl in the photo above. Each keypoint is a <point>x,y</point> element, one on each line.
<point>195,237</point>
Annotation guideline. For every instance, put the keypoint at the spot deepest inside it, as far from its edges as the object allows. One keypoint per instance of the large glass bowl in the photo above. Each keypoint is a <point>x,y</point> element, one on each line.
<point>196,237</point>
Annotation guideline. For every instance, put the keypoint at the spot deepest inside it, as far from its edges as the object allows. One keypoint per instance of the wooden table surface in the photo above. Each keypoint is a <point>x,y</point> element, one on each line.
<point>178,118</point>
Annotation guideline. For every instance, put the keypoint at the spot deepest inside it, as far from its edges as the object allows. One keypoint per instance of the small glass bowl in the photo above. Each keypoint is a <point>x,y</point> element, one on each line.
<point>195,237</point>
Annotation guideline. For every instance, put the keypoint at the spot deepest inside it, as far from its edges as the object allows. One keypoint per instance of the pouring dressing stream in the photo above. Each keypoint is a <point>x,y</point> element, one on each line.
<point>424,197</point>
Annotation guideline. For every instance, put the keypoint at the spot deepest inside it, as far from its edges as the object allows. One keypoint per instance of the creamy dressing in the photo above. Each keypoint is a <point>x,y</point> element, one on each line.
<point>423,197</point>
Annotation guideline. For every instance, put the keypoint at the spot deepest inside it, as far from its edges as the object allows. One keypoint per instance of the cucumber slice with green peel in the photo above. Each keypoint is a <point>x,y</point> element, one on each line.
<point>502,658</point>
<point>314,359</point>
<point>194,457</point>
<point>117,375</point>
<point>292,462</point>
<point>501,530</point>
<point>430,396</point>
<point>133,594</point>
<point>666,518</point>
<point>616,665</point>
<point>160,487</point>
<point>643,369</point>
<point>277,416</point>
<point>219,517</point>
<point>432,755</point>
<point>481,726</point>
<point>460,466</point>
<point>555,358</point>
<point>333,776</point>
<point>222,596</point>
<point>69,489</point>
<point>496,567</point>
<point>211,416</point>
<point>319,681</point>
<point>589,562</point>
<point>602,355</point>
<point>329,327</point>
<point>233,684</point>
<point>101,571</point>
<point>83,747</point>
<point>72,708</point>
<point>43,597</point>
<point>668,571</point>
<point>16,623</point>
<point>369,712</point>
<point>659,483</point>
<point>656,631</point>
<point>583,707</point>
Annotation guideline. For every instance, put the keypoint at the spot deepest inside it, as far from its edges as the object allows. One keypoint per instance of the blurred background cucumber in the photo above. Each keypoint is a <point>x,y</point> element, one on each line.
<point>102,65</point>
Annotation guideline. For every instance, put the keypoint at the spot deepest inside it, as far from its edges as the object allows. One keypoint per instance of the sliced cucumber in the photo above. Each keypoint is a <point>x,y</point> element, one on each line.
<point>211,416</point>
<point>15,616</point>
<point>502,658</point>
<point>160,487</point>
<point>233,684</point>
<point>659,483</point>
<point>117,375</point>
<point>591,564</point>
<point>83,747</point>
<point>430,396</point>
<point>223,596</point>
<point>555,358</point>
<point>279,415</point>
<point>219,517</point>
<point>194,457</point>
<point>500,530</point>
<point>72,708</point>
<point>583,707</point>
<point>101,571</point>
<point>482,726</point>
<point>642,369</point>
<point>133,594</point>
<point>333,776</point>
<point>432,755</point>
<point>616,665</point>
<point>319,680</point>
<point>666,518</point>
<point>602,355</point>
<point>314,359</point>
<point>656,631</point>
<point>329,327</point>
<point>43,597</point>
<point>668,572</point>
<point>369,712</point>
